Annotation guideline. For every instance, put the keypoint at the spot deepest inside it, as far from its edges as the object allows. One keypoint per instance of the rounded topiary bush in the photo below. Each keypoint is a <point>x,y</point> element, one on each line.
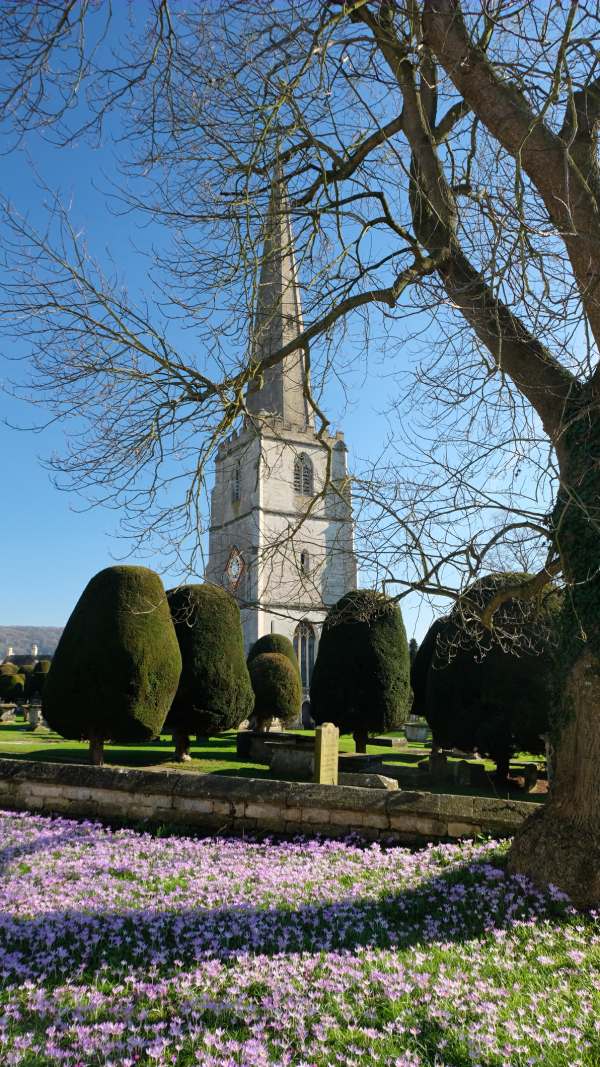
<point>117,665</point>
<point>214,692</point>
<point>8,668</point>
<point>494,691</point>
<point>12,687</point>
<point>419,669</point>
<point>277,688</point>
<point>38,678</point>
<point>274,643</point>
<point>361,680</point>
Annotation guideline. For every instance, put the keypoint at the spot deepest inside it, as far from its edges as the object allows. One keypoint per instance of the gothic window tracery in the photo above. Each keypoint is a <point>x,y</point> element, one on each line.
<point>303,475</point>
<point>305,647</point>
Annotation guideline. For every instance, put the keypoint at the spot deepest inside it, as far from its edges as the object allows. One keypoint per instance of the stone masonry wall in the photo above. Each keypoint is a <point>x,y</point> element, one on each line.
<point>223,804</point>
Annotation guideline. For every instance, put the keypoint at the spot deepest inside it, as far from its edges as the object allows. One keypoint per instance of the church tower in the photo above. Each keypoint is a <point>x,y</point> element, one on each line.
<point>285,551</point>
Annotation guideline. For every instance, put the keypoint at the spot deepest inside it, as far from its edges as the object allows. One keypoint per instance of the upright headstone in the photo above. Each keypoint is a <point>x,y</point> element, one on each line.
<point>327,750</point>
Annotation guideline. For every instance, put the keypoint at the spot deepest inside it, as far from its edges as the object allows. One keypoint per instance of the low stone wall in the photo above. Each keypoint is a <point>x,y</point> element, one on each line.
<point>226,804</point>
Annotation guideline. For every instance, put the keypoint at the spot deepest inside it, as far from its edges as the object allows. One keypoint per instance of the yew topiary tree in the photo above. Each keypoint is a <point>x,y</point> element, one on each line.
<point>214,692</point>
<point>277,688</point>
<point>361,678</point>
<point>274,643</point>
<point>117,665</point>
<point>38,677</point>
<point>495,696</point>
<point>12,687</point>
<point>419,669</point>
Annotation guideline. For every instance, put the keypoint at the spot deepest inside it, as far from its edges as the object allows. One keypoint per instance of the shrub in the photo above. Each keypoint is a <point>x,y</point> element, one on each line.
<point>494,694</point>
<point>8,668</point>
<point>12,687</point>
<point>360,680</point>
<point>277,688</point>
<point>274,643</point>
<point>38,677</point>
<point>117,665</point>
<point>214,692</point>
<point>419,668</point>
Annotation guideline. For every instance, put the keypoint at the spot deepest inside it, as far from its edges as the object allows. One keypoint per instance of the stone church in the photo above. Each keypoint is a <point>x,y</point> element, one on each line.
<point>285,551</point>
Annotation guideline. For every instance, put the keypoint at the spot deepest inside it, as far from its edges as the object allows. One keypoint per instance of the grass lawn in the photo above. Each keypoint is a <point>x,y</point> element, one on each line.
<point>214,756</point>
<point>127,949</point>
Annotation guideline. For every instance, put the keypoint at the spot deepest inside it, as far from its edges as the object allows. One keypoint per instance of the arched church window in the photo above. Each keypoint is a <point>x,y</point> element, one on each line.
<point>303,475</point>
<point>236,483</point>
<point>305,647</point>
<point>305,561</point>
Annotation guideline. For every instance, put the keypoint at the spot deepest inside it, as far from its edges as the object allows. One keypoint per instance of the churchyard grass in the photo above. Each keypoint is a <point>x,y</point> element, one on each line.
<point>126,949</point>
<point>216,755</point>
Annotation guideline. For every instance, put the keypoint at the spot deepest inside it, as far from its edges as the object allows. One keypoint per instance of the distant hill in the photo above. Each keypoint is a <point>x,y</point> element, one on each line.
<point>23,637</point>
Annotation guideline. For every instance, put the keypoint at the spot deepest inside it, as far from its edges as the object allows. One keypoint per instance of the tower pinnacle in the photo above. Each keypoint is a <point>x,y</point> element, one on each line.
<point>278,319</point>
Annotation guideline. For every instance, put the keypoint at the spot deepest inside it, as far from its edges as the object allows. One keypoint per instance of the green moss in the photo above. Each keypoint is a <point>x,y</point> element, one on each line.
<point>214,692</point>
<point>361,677</point>
<point>277,688</point>
<point>116,668</point>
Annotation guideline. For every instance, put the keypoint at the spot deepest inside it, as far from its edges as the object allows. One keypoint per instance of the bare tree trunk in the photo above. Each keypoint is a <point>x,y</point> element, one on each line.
<point>96,751</point>
<point>360,740</point>
<point>182,746</point>
<point>561,843</point>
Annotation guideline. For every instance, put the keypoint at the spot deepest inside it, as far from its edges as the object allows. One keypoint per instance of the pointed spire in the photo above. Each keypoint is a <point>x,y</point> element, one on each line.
<point>278,318</point>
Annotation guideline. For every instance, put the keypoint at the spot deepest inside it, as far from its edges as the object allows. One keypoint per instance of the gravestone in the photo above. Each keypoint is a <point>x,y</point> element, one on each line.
<point>437,765</point>
<point>327,746</point>
<point>34,715</point>
<point>36,719</point>
<point>461,771</point>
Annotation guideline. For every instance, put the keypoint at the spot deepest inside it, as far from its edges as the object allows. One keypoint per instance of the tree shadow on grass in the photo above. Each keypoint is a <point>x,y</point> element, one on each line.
<point>14,853</point>
<point>453,906</point>
<point>155,753</point>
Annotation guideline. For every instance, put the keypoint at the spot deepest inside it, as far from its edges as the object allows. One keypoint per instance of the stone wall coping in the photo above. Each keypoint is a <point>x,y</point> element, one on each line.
<point>492,814</point>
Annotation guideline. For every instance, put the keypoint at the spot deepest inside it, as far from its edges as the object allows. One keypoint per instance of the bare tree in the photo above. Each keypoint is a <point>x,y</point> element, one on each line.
<point>435,157</point>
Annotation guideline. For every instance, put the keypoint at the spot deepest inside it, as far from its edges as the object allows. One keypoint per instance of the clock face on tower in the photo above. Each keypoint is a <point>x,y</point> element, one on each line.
<point>234,568</point>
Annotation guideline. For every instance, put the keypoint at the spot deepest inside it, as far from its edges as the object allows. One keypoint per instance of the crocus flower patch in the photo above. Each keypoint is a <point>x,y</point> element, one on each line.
<point>128,949</point>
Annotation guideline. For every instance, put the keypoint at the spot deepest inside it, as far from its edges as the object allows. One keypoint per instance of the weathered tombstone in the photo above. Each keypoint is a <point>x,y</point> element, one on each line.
<point>327,748</point>
<point>438,767</point>
<point>34,715</point>
<point>462,772</point>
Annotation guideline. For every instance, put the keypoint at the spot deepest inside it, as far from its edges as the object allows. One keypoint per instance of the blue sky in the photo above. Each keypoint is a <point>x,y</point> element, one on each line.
<point>51,544</point>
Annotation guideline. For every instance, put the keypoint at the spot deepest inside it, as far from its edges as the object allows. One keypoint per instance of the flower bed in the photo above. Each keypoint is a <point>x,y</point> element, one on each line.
<point>120,948</point>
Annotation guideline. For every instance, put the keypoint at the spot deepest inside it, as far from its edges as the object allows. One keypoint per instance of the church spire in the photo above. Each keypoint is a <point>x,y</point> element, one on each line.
<point>278,319</point>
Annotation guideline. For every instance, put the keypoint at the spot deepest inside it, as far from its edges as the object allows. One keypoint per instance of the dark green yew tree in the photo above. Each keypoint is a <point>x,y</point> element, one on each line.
<point>361,677</point>
<point>277,688</point>
<point>117,665</point>
<point>274,643</point>
<point>214,692</point>
<point>12,687</point>
<point>492,694</point>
